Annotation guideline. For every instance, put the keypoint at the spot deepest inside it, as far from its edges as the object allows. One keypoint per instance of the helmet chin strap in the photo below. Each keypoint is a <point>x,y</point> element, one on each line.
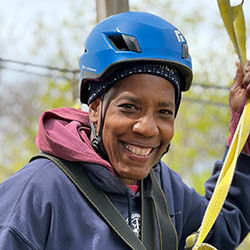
<point>99,148</point>
<point>96,141</point>
<point>166,149</point>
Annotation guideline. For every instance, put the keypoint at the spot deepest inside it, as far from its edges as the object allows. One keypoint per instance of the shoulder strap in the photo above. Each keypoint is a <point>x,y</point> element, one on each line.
<point>98,199</point>
<point>168,235</point>
<point>148,220</point>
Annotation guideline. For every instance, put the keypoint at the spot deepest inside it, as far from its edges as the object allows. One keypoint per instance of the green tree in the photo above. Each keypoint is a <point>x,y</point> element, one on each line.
<point>201,129</point>
<point>20,111</point>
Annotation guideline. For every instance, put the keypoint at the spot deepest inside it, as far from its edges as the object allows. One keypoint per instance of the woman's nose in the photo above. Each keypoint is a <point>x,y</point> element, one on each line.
<point>146,126</point>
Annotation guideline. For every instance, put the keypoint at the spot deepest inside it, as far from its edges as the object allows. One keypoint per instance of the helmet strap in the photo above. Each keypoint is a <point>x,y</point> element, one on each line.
<point>96,141</point>
<point>166,149</point>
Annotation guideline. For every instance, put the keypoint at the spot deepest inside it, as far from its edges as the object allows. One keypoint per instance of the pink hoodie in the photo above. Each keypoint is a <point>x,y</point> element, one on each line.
<point>65,132</point>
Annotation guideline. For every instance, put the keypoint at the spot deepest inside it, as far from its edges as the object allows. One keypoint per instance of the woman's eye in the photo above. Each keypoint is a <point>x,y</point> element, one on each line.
<point>166,112</point>
<point>127,106</point>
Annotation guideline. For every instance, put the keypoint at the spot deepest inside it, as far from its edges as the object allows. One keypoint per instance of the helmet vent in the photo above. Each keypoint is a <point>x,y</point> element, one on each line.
<point>123,42</point>
<point>184,51</point>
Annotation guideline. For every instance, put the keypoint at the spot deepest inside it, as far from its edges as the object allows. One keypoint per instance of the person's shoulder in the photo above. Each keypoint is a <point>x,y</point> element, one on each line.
<point>44,172</point>
<point>170,179</point>
<point>31,196</point>
<point>37,186</point>
<point>37,176</point>
<point>167,172</point>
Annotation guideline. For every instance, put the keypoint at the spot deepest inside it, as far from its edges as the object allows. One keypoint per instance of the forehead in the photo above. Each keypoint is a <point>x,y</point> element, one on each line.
<point>144,85</point>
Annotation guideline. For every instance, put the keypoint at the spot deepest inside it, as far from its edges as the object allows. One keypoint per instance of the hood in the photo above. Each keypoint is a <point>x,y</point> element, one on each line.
<point>64,133</point>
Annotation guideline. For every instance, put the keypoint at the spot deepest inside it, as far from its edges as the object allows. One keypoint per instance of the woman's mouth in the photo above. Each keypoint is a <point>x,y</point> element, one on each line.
<point>139,151</point>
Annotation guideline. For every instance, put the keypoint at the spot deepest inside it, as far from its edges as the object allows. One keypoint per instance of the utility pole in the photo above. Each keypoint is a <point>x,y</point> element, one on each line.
<point>105,8</point>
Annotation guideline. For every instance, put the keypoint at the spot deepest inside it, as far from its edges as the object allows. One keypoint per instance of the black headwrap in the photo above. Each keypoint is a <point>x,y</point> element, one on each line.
<point>97,89</point>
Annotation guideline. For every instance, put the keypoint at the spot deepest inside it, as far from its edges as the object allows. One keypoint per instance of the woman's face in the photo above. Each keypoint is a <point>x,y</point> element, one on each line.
<point>139,124</point>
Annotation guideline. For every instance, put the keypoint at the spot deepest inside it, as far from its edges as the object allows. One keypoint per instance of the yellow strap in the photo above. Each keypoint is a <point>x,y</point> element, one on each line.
<point>234,22</point>
<point>240,27</point>
<point>226,175</point>
<point>233,19</point>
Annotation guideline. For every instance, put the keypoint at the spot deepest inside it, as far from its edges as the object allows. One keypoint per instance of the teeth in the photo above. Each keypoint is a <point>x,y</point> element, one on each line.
<point>137,150</point>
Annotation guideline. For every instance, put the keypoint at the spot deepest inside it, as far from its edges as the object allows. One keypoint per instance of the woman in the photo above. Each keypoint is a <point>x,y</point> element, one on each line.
<point>133,71</point>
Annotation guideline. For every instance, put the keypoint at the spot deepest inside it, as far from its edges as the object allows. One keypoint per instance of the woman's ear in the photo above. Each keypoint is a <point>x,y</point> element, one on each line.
<point>94,111</point>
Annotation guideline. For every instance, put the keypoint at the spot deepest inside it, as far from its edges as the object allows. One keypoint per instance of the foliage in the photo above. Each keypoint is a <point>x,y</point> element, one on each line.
<point>19,118</point>
<point>201,129</point>
<point>200,135</point>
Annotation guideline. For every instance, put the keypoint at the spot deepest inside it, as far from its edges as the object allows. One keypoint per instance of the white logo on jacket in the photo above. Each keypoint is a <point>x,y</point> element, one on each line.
<point>136,223</point>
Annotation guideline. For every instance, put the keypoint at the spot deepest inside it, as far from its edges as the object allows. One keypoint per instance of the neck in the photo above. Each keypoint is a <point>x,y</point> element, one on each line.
<point>129,181</point>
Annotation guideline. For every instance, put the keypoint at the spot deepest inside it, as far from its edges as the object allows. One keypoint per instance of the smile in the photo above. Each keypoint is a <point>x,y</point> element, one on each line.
<point>138,150</point>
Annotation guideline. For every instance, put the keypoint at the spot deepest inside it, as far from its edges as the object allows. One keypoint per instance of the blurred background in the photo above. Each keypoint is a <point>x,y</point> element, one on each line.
<point>41,42</point>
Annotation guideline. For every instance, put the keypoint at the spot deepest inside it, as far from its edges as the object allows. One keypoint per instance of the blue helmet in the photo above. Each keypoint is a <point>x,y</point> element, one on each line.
<point>133,37</point>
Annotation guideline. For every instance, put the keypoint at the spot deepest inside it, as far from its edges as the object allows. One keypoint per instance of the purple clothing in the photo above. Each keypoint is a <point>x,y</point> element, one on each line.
<point>235,118</point>
<point>64,132</point>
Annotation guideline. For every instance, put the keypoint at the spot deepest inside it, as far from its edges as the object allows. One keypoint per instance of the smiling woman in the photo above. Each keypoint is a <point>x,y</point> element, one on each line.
<point>119,194</point>
<point>138,127</point>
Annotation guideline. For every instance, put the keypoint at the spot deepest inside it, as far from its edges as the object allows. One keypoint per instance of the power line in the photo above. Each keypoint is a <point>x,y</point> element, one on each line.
<point>37,74</point>
<point>63,70</point>
<point>219,104</point>
<point>69,79</point>
<point>206,86</point>
<point>76,71</point>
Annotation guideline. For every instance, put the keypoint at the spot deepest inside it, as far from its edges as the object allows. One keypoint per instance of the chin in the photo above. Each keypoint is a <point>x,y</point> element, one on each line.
<point>138,176</point>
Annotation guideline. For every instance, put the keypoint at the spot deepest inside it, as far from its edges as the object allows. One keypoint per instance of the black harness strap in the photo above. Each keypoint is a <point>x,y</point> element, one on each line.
<point>98,199</point>
<point>168,236</point>
<point>147,223</point>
